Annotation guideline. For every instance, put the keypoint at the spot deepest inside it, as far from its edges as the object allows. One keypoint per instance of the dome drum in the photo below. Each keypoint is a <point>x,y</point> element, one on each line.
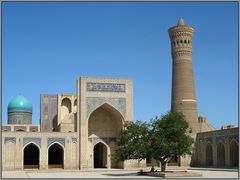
<point>19,117</point>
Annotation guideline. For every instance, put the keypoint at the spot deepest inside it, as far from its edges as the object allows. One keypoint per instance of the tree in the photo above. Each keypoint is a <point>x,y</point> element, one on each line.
<point>132,141</point>
<point>161,139</point>
<point>169,138</point>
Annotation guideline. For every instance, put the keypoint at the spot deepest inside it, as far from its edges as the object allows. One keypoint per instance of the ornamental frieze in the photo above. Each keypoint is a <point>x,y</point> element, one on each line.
<point>106,87</point>
<point>220,138</point>
<point>182,53</point>
<point>208,139</point>
<point>95,102</point>
<point>26,140</point>
<point>181,34</point>
<point>231,137</point>
<point>6,128</point>
<point>107,140</point>
<point>59,140</point>
<point>9,139</point>
<point>74,140</point>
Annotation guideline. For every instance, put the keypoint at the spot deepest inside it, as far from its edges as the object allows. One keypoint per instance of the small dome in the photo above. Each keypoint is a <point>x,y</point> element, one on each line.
<point>20,103</point>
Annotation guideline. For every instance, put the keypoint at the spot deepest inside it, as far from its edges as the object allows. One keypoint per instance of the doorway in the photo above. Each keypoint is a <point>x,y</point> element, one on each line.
<point>31,157</point>
<point>55,156</point>
<point>100,156</point>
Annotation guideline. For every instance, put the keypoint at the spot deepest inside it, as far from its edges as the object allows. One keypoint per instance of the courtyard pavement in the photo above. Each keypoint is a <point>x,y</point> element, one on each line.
<point>111,173</point>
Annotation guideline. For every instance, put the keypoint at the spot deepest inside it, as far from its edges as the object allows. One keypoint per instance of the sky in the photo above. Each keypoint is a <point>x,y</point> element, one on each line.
<point>46,46</point>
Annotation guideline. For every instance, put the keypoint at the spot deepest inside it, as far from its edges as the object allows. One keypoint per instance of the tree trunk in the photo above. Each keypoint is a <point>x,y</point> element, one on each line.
<point>163,166</point>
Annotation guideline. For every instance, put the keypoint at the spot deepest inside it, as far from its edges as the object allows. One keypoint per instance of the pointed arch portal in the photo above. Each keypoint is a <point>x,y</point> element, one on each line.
<point>31,157</point>
<point>100,156</point>
<point>55,156</point>
<point>105,122</point>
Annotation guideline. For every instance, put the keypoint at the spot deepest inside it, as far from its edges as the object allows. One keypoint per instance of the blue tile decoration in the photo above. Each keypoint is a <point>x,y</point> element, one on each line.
<point>74,140</point>
<point>106,87</point>
<point>107,140</point>
<point>6,128</point>
<point>220,138</point>
<point>26,140</point>
<point>230,137</point>
<point>23,128</point>
<point>95,102</point>
<point>209,139</point>
<point>9,139</point>
<point>59,140</point>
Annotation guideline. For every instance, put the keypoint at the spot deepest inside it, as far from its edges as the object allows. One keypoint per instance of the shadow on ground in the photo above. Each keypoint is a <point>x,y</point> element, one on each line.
<point>126,174</point>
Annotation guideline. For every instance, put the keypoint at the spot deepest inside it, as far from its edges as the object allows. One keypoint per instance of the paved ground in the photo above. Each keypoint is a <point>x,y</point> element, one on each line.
<point>207,173</point>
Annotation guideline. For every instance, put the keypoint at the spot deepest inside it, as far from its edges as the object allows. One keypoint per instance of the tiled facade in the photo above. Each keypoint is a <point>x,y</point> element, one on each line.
<point>74,128</point>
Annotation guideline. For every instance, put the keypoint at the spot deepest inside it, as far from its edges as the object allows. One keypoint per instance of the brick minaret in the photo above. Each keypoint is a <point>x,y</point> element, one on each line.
<point>183,91</point>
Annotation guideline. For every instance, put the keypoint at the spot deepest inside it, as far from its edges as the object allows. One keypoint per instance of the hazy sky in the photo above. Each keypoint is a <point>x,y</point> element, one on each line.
<point>47,45</point>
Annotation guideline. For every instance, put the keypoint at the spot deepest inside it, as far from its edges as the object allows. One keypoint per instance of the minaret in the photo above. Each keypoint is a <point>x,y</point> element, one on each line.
<point>183,91</point>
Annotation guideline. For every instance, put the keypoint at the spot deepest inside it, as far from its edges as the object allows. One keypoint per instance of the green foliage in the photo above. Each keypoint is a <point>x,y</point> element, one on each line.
<point>161,139</point>
<point>168,136</point>
<point>132,141</point>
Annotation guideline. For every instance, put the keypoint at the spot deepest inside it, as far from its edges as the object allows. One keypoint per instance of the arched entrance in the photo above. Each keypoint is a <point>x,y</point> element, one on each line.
<point>100,156</point>
<point>31,157</point>
<point>220,155</point>
<point>234,154</point>
<point>209,155</point>
<point>55,156</point>
<point>104,123</point>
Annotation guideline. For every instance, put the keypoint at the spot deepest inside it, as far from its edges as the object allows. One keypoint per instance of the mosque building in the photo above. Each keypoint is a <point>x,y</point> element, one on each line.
<point>79,131</point>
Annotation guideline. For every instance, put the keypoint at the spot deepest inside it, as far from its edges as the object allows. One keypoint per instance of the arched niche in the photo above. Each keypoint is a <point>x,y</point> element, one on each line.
<point>66,108</point>
<point>100,155</point>
<point>55,156</point>
<point>234,154</point>
<point>75,106</point>
<point>220,155</point>
<point>55,124</point>
<point>209,155</point>
<point>31,156</point>
<point>105,121</point>
<point>20,130</point>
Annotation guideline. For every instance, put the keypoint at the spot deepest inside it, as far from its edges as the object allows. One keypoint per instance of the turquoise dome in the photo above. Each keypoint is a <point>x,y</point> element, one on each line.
<point>20,103</point>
